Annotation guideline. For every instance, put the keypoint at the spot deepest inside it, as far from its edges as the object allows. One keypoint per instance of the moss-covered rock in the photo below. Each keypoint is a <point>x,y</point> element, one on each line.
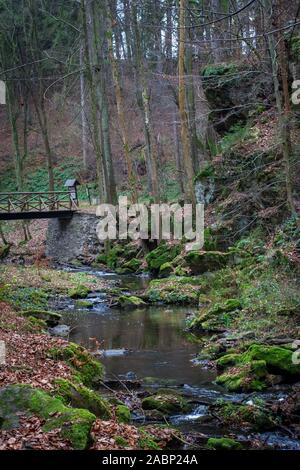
<point>217,316</point>
<point>165,270</point>
<point>131,301</point>
<point>223,443</point>
<point>79,292</point>
<point>123,413</point>
<point>147,441</point>
<point>200,262</point>
<point>88,370</point>
<point>166,403</point>
<point>36,324</point>
<point>278,360</point>
<point>255,416</point>
<point>245,377</point>
<point>79,396</point>
<point>74,423</point>
<point>174,290</point>
<point>133,265</point>
<point>83,304</point>
<point>162,254</point>
<point>51,318</point>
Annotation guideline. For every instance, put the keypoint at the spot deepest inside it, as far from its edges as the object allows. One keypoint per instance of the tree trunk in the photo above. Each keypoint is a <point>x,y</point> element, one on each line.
<point>121,111</point>
<point>143,100</point>
<point>185,134</point>
<point>84,123</point>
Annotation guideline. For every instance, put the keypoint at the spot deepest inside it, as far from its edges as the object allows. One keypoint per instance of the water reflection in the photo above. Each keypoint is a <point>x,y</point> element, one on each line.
<point>153,337</point>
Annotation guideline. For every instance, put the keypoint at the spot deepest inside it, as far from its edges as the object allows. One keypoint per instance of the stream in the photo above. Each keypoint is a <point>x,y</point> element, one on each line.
<point>148,347</point>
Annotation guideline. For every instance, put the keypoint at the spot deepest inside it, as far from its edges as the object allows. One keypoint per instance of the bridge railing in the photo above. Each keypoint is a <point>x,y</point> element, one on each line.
<point>37,202</point>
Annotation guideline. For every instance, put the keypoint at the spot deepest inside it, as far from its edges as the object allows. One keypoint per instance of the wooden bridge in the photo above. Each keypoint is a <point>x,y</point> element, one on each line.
<point>38,205</point>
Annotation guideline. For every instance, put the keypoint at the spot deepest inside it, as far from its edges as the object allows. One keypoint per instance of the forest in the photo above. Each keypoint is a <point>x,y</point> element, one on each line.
<point>143,341</point>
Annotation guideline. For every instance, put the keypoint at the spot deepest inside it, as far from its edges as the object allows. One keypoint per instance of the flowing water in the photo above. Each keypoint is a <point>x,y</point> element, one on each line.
<point>149,345</point>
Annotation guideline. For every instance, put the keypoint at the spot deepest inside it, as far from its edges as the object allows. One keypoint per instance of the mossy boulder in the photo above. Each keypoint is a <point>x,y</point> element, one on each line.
<point>79,292</point>
<point>200,262</point>
<point>252,376</point>
<point>131,301</point>
<point>147,441</point>
<point>36,324</point>
<point>165,270</point>
<point>166,403</point>
<point>254,416</point>
<point>87,369</point>
<point>123,413</point>
<point>223,443</point>
<point>51,318</point>
<point>74,423</point>
<point>162,254</point>
<point>174,290</point>
<point>79,396</point>
<point>114,256</point>
<point>83,304</point>
<point>278,360</point>
<point>217,316</point>
<point>133,265</point>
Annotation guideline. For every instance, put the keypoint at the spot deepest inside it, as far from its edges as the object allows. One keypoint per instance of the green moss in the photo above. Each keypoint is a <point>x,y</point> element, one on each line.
<point>113,256</point>
<point>87,369</point>
<point>37,324</point>
<point>79,396</point>
<point>123,414</point>
<point>162,254</point>
<point>79,292</point>
<point>83,304</point>
<point>165,269</point>
<point>255,416</point>
<point>131,301</point>
<point>218,70</point>
<point>4,250</point>
<point>166,403</point>
<point>277,360</point>
<point>27,298</point>
<point>147,441</point>
<point>223,443</point>
<point>246,377</point>
<point>202,261</point>
<point>74,424</point>
<point>121,441</point>
<point>50,318</point>
<point>207,172</point>
<point>101,258</point>
<point>174,290</point>
<point>218,316</point>
<point>133,265</point>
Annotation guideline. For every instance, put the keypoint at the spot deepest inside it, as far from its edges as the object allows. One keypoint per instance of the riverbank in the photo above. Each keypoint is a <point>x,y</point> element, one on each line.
<point>203,346</point>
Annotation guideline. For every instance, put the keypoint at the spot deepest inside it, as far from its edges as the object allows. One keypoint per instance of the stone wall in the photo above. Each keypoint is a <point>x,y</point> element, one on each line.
<point>76,238</point>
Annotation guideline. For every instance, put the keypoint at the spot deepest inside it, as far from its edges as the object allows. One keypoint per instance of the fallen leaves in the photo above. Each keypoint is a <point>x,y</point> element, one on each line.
<point>27,358</point>
<point>30,435</point>
<point>107,434</point>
